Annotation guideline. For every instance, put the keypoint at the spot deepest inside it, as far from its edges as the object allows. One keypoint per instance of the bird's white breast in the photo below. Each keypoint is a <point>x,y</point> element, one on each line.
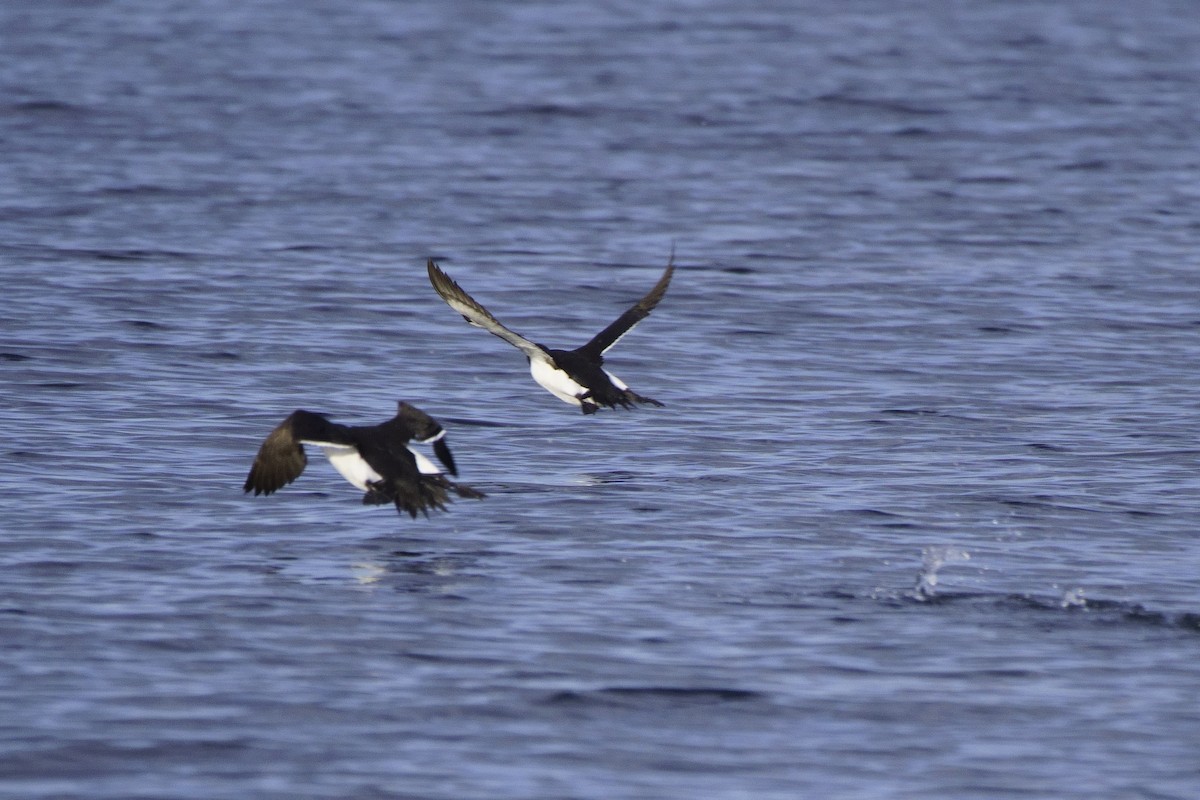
<point>351,465</point>
<point>555,381</point>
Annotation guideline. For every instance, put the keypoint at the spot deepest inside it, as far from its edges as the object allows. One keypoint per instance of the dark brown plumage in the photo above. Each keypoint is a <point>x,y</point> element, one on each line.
<point>376,458</point>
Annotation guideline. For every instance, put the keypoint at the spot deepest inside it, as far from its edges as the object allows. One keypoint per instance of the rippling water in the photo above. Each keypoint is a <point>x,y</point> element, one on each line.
<point>920,516</point>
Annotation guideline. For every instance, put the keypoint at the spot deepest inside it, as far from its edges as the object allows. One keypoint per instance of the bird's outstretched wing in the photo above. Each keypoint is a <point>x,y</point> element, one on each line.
<point>606,338</point>
<point>281,457</point>
<point>479,316</point>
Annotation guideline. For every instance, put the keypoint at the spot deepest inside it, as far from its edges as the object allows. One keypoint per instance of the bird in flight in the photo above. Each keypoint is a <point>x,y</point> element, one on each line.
<point>375,458</point>
<point>576,377</point>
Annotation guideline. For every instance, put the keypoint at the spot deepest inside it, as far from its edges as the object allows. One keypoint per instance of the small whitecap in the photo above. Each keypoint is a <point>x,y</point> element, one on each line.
<point>933,559</point>
<point>1073,598</point>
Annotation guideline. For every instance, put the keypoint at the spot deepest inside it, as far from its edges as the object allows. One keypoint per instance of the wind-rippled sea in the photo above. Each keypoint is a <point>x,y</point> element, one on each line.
<point>920,518</point>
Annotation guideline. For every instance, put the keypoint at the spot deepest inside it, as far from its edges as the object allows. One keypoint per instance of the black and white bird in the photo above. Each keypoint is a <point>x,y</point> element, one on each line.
<point>375,458</point>
<point>574,376</point>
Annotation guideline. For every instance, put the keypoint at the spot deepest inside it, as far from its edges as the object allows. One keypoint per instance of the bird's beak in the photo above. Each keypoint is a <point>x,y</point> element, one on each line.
<point>442,451</point>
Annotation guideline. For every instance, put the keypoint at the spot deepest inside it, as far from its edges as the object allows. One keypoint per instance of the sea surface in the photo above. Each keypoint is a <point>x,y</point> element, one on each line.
<point>920,517</point>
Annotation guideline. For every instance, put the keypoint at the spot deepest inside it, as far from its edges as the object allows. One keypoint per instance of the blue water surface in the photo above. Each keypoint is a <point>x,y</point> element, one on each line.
<point>919,517</point>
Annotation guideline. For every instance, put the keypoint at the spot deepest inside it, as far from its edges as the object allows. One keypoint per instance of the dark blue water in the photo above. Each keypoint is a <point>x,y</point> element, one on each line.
<point>920,517</point>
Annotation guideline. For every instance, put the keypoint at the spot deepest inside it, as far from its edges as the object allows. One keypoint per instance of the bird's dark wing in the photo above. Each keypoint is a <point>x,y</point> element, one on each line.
<point>606,338</point>
<point>281,457</point>
<point>479,316</point>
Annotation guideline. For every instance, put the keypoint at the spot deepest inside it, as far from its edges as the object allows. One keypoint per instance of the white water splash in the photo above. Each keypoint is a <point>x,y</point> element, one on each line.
<point>932,560</point>
<point>1073,598</point>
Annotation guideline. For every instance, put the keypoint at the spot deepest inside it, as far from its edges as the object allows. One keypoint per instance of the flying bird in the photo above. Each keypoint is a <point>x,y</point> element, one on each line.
<point>375,458</point>
<point>576,377</point>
